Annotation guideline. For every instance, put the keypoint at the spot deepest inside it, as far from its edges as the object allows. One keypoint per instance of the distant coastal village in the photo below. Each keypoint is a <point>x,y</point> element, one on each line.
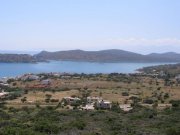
<point>149,88</point>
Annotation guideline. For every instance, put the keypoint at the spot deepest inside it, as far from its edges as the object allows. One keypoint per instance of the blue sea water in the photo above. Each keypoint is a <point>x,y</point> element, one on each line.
<point>15,69</point>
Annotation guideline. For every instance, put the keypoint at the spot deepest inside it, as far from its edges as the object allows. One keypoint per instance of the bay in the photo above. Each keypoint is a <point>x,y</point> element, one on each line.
<point>15,69</point>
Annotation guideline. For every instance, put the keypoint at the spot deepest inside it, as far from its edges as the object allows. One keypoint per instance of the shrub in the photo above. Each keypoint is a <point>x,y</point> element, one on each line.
<point>166,96</point>
<point>79,124</point>
<point>37,105</point>
<point>175,103</point>
<point>14,84</point>
<point>148,101</point>
<point>24,99</point>
<point>125,94</point>
<point>48,96</point>
<point>172,131</point>
<point>46,127</point>
<point>115,107</point>
<point>54,100</point>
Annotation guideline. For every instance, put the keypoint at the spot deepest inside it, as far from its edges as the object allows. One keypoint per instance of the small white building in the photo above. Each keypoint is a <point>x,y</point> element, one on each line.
<point>88,107</point>
<point>126,107</point>
<point>56,74</point>
<point>161,73</point>
<point>91,100</point>
<point>71,100</point>
<point>29,77</point>
<point>4,84</point>
<point>3,94</point>
<point>33,77</point>
<point>103,104</point>
<point>65,77</point>
<point>177,77</point>
<point>77,77</point>
<point>4,79</point>
<point>164,106</point>
<point>46,82</point>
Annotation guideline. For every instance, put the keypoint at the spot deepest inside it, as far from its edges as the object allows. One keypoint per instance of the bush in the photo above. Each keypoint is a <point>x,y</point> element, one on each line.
<point>46,127</point>
<point>64,89</point>
<point>24,99</point>
<point>125,94</point>
<point>37,105</point>
<point>79,124</point>
<point>148,101</point>
<point>173,131</point>
<point>14,84</point>
<point>175,103</point>
<point>166,96</point>
<point>48,96</point>
<point>17,131</point>
<point>115,107</point>
<point>54,100</point>
<point>47,100</point>
<point>135,99</point>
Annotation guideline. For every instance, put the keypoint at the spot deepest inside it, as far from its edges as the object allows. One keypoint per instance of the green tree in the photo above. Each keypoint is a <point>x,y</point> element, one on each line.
<point>24,99</point>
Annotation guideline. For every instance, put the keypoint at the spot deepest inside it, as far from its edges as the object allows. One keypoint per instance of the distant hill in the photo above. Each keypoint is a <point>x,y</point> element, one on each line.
<point>18,52</point>
<point>172,56</point>
<point>112,55</point>
<point>18,58</point>
<point>169,69</point>
<point>99,56</point>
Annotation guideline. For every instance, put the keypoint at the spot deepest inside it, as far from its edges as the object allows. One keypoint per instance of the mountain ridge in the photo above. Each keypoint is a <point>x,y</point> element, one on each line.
<point>17,58</point>
<point>111,55</point>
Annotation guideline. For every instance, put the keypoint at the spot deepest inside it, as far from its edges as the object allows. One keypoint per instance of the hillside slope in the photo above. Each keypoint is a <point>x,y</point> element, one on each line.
<point>17,58</point>
<point>112,55</point>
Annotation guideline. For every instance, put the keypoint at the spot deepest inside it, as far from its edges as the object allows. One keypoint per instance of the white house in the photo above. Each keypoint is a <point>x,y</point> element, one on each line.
<point>3,94</point>
<point>4,84</point>
<point>177,77</point>
<point>71,100</point>
<point>46,82</point>
<point>29,77</point>
<point>126,107</point>
<point>65,77</point>
<point>161,73</point>
<point>57,74</point>
<point>4,79</point>
<point>76,77</point>
<point>88,107</point>
<point>103,104</point>
<point>91,100</point>
<point>164,106</point>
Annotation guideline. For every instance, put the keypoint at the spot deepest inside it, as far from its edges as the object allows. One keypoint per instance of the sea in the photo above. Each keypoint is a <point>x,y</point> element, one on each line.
<point>16,69</point>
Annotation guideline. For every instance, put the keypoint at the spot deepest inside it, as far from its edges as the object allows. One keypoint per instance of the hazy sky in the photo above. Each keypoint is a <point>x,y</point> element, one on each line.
<point>142,26</point>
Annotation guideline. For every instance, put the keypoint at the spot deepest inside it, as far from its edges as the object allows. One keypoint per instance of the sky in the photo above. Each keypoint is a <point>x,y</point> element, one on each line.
<point>141,26</point>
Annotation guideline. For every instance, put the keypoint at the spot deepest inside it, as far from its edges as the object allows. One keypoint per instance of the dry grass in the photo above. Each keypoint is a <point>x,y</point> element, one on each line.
<point>38,96</point>
<point>144,87</point>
